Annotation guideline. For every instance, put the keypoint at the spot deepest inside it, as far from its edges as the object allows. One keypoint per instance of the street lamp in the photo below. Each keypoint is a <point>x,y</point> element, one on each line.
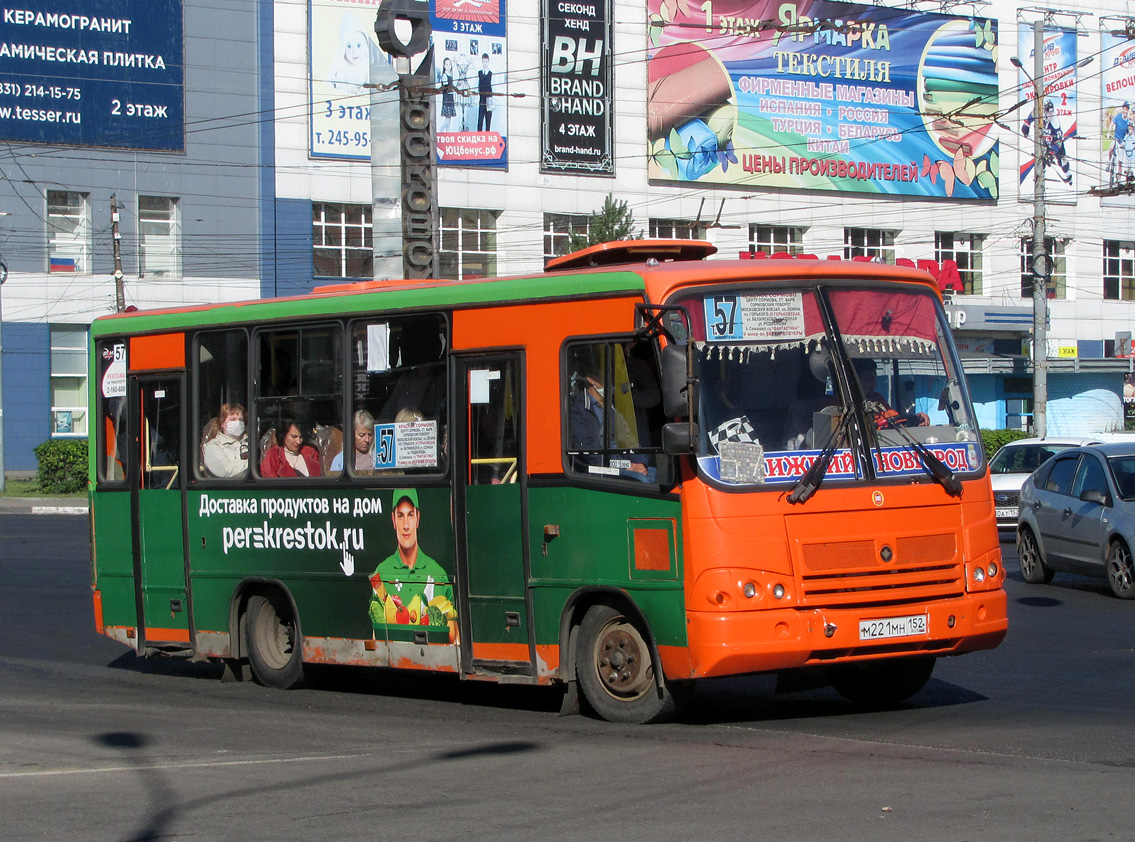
<point>1041,264</point>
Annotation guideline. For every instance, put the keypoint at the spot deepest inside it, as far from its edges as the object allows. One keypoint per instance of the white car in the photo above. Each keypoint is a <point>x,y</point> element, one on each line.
<point>1011,466</point>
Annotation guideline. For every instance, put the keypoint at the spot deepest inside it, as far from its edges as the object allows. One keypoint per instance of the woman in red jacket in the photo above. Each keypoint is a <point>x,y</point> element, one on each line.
<point>290,457</point>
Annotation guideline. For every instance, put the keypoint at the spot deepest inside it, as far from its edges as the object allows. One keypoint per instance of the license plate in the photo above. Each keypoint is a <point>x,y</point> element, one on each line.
<point>1010,512</point>
<point>892,627</point>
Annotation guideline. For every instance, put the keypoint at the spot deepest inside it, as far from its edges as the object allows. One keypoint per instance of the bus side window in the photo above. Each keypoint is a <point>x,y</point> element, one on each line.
<point>220,362</point>
<point>298,392</point>
<point>614,407</point>
<point>400,380</point>
<point>112,452</point>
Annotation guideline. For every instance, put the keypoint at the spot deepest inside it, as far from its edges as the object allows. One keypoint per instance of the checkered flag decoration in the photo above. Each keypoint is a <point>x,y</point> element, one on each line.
<point>736,430</point>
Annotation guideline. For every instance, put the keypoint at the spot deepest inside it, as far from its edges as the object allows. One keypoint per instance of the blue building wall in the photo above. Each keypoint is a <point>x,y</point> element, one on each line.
<point>293,249</point>
<point>27,392</point>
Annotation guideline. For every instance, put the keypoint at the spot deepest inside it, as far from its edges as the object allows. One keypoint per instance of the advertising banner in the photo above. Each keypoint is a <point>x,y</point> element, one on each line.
<point>1058,123</point>
<point>471,120</point>
<point>93,73</point>
<point>822,96</point>
<point>471,62</point>
<point>1117,79</point>
<point>344,57</point>
<point>575,87</point>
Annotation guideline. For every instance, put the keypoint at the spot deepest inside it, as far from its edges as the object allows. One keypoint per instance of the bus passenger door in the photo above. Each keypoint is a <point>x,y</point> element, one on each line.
<point>156,484</point>
<point>490,493</point>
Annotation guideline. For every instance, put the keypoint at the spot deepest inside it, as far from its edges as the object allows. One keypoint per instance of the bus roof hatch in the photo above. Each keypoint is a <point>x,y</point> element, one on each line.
<point>632,251</point>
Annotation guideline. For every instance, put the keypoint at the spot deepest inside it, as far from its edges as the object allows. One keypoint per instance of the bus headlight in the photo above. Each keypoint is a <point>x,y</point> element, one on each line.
<point>749,590</point>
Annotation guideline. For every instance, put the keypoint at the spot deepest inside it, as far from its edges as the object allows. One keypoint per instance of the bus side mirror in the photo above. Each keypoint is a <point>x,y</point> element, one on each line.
<point>677,400</point>
<point>679,437</point>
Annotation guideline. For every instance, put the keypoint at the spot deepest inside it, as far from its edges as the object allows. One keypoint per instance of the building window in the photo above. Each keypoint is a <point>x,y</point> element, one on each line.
<point>558,230</point>
<point>870,242</point>
<point>1057,283</point>
<point>1118,270</point>
<point>964,250</point>
<point>468,243</point>
<point>776,239</point>
<point>677,229</point>
<point>68,380</point>
<point>68,231</point>
<point>159,237</point>
<point>342,236</point>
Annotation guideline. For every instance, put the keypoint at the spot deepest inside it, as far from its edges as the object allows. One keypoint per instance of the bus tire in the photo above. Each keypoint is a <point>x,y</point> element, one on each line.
<point>881,683</point>
<point>1033,569</point>
<point>275,647</point>
<point>616,669</point>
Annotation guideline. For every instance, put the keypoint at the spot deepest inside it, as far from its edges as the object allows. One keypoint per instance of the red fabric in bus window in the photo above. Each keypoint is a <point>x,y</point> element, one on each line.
<point>889,315</point>
<point>813,324</point>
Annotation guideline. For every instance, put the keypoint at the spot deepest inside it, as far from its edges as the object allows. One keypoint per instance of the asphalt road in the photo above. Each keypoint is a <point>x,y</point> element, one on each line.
<point>1033,741</point>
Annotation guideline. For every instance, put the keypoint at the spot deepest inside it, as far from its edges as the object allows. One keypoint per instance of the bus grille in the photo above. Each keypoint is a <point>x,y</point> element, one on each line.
<point>847,573</point>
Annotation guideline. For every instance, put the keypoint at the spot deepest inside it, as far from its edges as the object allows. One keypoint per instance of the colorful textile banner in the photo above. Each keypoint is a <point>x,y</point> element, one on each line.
<point>822,96</point>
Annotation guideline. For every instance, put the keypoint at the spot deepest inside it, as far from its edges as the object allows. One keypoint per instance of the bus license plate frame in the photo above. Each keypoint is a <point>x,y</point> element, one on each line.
<point>885,628</point>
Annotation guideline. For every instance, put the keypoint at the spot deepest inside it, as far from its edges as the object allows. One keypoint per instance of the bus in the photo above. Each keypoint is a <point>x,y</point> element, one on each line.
<point>639,468</point>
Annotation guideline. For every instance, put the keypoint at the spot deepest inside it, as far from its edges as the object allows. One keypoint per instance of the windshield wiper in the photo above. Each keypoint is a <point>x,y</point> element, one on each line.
<point>933,465</point>
<point>807,485</point>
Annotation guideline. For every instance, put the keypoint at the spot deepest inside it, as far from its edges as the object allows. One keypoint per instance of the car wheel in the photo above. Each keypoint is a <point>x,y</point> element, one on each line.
<point>1033,569</point>
<point>1120,572</point>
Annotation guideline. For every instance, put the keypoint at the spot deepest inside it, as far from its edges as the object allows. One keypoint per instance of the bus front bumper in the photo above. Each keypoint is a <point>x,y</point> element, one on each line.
<point>740,642</point>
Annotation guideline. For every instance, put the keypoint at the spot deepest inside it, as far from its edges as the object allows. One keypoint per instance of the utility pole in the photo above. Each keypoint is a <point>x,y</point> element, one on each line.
<point>119,292</point>
<point>3,277</point>
<point>1040,266</point>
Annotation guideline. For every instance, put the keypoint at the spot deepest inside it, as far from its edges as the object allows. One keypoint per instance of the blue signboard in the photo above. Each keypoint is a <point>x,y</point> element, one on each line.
<point>93,73</point>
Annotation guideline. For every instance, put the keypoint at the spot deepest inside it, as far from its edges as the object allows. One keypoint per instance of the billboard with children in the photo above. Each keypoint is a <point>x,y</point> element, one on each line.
<point>470,117</point>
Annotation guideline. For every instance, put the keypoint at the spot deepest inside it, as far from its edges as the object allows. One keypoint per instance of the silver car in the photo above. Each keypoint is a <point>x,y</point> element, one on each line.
<point>1011,466</point>
<point>1077,514</point>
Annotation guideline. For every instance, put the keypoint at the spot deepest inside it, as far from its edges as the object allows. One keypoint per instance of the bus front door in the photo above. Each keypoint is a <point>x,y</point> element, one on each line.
<point>158,537</point>
<point>491,510</point>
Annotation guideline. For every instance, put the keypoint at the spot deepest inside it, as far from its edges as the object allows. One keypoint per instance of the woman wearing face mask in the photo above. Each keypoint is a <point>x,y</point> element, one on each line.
<point>226,454</point>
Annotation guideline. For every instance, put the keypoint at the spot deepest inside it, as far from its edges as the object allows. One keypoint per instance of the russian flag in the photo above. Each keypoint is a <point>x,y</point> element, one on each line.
<point>62,264</point>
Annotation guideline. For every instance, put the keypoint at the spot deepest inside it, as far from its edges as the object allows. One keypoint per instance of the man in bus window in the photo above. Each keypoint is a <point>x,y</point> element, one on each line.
<point>586,425</point>
<point>409,588</point>
<point>885,416</point>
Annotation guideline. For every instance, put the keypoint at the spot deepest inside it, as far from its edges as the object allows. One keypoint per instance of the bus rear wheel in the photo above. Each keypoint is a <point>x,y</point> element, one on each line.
<point>616,670</point>
<point>275,650</point>
<point>881,683</point>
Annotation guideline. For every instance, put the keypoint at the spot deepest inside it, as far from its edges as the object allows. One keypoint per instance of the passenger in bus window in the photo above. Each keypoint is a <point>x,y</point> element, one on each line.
<point>586,425</point>
<point>363,439</point>
<point>886,416</point>
<point>290,456</point>
<point>226,453</point>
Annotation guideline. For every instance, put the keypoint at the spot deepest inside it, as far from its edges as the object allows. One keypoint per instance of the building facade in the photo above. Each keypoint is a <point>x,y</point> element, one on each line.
<point>244,167</point>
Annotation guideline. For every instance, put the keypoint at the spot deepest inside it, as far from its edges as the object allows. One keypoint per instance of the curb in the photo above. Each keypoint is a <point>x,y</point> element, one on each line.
<point>41,506</point>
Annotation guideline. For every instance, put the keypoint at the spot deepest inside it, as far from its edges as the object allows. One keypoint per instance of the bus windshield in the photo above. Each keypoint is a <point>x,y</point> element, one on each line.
<point>783,372</point>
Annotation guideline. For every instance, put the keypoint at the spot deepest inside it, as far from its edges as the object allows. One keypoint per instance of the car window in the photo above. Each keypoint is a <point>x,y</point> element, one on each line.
<point>1123,469</point>
<point>1061,476</point>
<point>1090,477</point>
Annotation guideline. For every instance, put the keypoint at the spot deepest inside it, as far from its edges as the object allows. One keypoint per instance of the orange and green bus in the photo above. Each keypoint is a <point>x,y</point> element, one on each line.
<point>637,469</point>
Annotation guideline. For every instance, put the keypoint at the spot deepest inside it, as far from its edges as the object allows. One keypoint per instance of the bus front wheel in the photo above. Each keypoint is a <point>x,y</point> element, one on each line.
<point>275,650</point>
<point>617,672</point>
<point>881,683</point>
